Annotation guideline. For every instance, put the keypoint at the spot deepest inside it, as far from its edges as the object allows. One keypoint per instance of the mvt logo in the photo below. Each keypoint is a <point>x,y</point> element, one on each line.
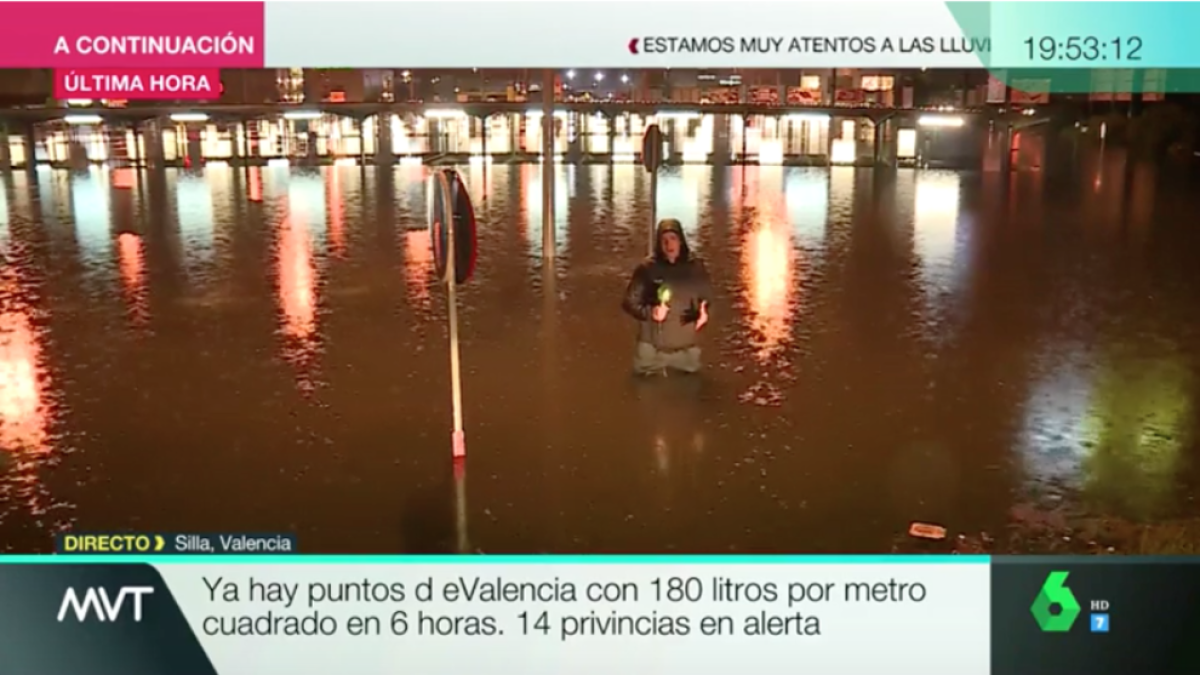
<point>98,604</point>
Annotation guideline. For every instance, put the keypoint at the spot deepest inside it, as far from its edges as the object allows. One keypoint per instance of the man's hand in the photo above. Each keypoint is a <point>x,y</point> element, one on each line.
<point>703,318</point>
<point>659,313</point>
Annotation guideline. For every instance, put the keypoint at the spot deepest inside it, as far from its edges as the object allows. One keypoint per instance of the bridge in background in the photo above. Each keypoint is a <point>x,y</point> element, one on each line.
<point>172,134</point>
<point>481,110</point>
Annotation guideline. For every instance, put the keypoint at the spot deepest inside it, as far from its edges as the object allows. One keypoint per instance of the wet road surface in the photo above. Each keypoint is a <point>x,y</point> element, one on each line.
<point>265,350</point>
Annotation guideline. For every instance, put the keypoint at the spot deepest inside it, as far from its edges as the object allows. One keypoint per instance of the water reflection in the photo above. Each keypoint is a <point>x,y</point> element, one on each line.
<point>297,278</point>
<point>254,184</point>
<point>1140,416</point>
<point>769,265</point>
<point>842,193</point>
<point>531,193</point>
<point>418,267</point>
<point>22,412</point>
<point>90,208</point>
<point>194,206</point>
<point>1055,432</point>
<point>336,201</point>
<point>681,193</point>
<point>1075,361</point>
<point>1114,429</point>
<point>806,193</point>
<point>26,401</point>
<point>625,185</point>
<point>935,229</point>
<point>131,257</point>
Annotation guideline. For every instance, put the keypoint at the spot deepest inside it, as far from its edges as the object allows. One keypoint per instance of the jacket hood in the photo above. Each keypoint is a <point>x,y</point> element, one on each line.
<point>671,225</point>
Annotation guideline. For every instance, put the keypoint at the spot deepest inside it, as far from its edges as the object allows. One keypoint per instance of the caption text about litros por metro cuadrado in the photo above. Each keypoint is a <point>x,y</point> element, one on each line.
<point>489,605</point>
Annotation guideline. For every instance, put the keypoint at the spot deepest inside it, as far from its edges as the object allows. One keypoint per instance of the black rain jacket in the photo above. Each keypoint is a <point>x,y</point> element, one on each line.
<point>688,284</point>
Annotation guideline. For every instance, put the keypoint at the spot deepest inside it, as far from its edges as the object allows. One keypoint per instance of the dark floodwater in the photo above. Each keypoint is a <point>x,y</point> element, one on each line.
<point>265,350</point>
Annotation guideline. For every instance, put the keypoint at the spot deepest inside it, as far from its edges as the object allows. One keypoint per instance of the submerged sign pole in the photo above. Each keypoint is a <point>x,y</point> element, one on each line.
<point>452,226</point>
<point>652,143</point>
<point>548,100</point>
<point>462,537</point>
<point>458,437</point>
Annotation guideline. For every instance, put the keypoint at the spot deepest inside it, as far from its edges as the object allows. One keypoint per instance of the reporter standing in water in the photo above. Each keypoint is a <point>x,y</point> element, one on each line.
<point>668,295</point>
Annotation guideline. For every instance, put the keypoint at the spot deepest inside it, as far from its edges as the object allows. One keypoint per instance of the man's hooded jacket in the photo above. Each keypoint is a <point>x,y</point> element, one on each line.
<point>682,285</point>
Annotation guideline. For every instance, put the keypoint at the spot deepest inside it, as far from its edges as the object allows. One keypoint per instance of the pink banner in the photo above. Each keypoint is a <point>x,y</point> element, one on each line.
<point>138,85</point>
<point>133,34</point>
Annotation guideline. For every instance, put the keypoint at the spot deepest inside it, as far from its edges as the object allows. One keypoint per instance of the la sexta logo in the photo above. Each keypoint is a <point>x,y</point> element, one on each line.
<point>96,603</point>
<point>1055,608</point>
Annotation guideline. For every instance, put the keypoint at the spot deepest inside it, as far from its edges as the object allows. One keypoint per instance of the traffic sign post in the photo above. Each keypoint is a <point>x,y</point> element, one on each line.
<point>652,151</point>
<point>452,231</point>
<point>462,535</point>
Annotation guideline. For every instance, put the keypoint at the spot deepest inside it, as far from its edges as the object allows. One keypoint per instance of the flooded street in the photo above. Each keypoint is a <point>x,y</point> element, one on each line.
<point>265,350</point>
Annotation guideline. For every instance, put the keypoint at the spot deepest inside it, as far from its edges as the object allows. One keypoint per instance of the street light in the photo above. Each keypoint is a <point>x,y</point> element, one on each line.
<point>599,76</point>
<point>570,74</point>
<point>624,79</point>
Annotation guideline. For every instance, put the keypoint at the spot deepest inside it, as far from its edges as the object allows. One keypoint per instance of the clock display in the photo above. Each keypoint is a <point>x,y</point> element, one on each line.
<point>1085,49</point>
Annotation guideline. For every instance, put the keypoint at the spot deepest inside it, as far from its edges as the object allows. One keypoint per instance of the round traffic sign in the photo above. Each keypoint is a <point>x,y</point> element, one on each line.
<point>652,145</point>
<point>450,206</point>
<point>465,239</point>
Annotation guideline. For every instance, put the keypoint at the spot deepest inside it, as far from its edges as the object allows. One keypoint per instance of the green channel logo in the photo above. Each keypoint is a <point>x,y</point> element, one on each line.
<point>1055,592</point>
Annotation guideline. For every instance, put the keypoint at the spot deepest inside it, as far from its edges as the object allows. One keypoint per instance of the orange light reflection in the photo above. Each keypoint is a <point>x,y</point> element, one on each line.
<point>768,263</point>
<point>131,257</point>
<point>297,293</point>
<point>418,265</point>
<point>256,184</point>
<point>25,412</point>
<point>333,197</point>
<point>527,175</point>
<point>123,179</point>
<point>22,414</point>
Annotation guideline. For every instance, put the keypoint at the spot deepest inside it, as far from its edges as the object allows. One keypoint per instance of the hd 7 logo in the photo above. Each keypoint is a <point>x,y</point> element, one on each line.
<point>1055,608</point>
<point>100,605</point>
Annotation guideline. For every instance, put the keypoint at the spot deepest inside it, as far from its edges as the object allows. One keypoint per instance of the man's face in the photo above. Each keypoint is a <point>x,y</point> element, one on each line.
<point>671,245</point>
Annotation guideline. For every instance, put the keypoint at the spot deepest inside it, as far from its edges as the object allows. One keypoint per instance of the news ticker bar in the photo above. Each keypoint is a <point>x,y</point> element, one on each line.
<point>175,543</point>
<point>596,615</point>
<point>659,34</point>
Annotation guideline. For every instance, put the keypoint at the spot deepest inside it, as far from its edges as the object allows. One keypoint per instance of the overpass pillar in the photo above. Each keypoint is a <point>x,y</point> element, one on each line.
<point>575,145</point>
<point>195,146</point>
<point>744,152</point>
<point>610,120</point>
<point>516,144</point>
<point>30,148</point>
<point>384,152</point>
<point>1006,156</point>
<point>885,142</point>
<point>135,149</point>
<point>238,133</point>
<point>835,128</point>
<point>153,140</point>
<point>483,136</point>
<point>721,151</point>
<point>438,137</point>
<point>5,149</point>
<point>362,141</point>
<point>310,145</point>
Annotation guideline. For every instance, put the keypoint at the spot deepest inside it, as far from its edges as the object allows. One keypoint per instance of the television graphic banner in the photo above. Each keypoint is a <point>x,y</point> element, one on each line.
<point>536,615</point>
<point>842,615</point>
<point>660,34</point>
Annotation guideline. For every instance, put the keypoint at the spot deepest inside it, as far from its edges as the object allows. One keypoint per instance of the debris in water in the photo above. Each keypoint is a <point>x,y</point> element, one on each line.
<point>926,531</point>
